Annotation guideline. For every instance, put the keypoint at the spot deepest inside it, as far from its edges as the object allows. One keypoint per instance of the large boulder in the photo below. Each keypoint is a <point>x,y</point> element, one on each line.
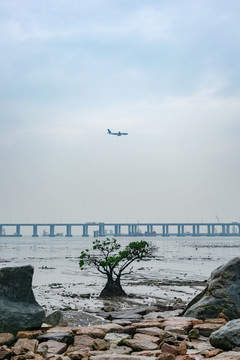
<point>227,337</point>
<point>18,307</point>
<point>221,295</point>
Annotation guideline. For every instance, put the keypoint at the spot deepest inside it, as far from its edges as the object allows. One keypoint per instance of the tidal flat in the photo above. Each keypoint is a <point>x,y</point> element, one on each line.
<point>177,273</point>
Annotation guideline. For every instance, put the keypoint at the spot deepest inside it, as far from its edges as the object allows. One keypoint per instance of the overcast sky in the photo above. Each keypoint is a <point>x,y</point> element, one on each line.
<point>165,71</point>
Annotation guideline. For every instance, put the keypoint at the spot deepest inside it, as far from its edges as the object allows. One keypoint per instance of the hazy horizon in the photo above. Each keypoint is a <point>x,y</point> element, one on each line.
<point>165,72</point>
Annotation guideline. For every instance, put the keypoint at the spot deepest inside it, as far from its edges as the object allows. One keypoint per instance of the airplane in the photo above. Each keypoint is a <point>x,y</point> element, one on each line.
<point>119,133</point>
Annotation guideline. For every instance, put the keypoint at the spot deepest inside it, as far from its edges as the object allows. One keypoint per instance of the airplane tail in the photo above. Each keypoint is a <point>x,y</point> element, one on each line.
<point>109,131</point>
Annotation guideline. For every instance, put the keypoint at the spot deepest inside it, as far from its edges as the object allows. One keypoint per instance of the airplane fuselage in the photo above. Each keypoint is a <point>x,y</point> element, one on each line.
<point>119,133</point>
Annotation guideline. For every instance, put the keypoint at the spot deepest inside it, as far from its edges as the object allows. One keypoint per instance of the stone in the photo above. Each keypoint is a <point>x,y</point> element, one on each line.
<point>193,334</point>
<point>166,357</point>
<point>6,339</point>
<point>230,355</point>
<point>18,308</point>
<point>83,341</point>
<point>100,344</point>
<point>221,294</point>
<point>207,328</point>
<point>59,329</point>
<point>111,327</point>
<point>125,316</point>
<point>92,331</point>
<point>5,353</point>
<point>61,336</point>
<point>116,337</point>
<point>143,337</point>
<point>148,324</point>
<point>219,321</point>
<point>57,357</point>
<point>76,352</point>
<point>139,345</point>
<point>170,349</point>
<point>54,347</point>
<point>108,356</point>
<point>227,337</point>
<point>153,353</point>
<point>54,318</point>
<point>190,357</point>
<point>153,331</point>
<point>182,348</point>
<point>24,345</point>
<point>214,352</point>
<point>29,334</point>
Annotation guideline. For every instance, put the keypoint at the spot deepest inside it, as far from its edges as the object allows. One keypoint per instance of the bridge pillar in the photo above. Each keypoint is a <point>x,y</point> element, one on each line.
<point>35,234</point>
<point>194,230</point>
<point>130,230</point>
<point>223,230</point>
<point>167,230</point>
<point>18,234</point>
<point>198,230</point>
<point>163,230</point>
<point>179,230</point>
<point>1,230</point>
<point>149,228</point>
<point>208,230</point>
<point>101,231</point>
<point>117,230</point>
<point>213,229</point>
<point>68,231</point>
<point>85,231</point>
<point>238,230</point>
<point>228,229</point>
<point>52,231</point>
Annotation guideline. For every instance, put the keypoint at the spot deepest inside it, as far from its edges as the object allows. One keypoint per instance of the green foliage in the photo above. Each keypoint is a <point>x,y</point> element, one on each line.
<point>107,257</point>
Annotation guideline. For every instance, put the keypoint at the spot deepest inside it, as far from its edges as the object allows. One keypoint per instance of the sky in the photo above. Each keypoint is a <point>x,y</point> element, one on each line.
<point>167,72</point>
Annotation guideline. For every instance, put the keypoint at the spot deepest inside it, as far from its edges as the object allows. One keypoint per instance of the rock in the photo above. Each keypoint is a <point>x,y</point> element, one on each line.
<point>83,341</point>
<point>64,337</point>
<point>92,331</point>
<point>6,339</point>
<point>111,327</point>
<point>125,315</point>
<point>54,318</point>
<point>169,349</point>
<point>24,345</point>
<point>206,329</point>
<point>227,337</point>
<point>152,331</point>
<point>29,334</point>
<point>18,307</point>
<point>77,352</point>
<point>108,356</point>
<point>54,347</point>
<point>193,334</point>
<point>139,345</point>
<point>230,355</point>
<point>153,339</point>
<point>166,357</point>
<point>220,295</point>
<point>5,353</point>
<point>116,337</point>
<point>100,344</point>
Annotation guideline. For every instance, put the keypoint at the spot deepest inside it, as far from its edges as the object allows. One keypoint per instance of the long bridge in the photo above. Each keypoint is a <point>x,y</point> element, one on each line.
<point>101,229</point>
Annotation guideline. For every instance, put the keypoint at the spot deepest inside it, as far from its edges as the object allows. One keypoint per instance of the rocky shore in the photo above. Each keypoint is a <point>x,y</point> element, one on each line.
<point>140,333</point>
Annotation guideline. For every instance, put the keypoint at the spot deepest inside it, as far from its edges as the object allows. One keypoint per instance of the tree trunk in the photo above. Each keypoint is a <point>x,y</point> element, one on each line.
<point>112,288</point>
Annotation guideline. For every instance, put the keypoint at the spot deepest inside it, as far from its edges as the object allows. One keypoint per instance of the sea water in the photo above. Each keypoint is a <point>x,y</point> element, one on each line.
<point>176,272</point>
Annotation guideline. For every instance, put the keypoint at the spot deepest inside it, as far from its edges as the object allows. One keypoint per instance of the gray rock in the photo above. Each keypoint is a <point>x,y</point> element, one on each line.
<point>18,307</point>
<point>64,337</point>
<point>222,294</point>
<point>227,337</point>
